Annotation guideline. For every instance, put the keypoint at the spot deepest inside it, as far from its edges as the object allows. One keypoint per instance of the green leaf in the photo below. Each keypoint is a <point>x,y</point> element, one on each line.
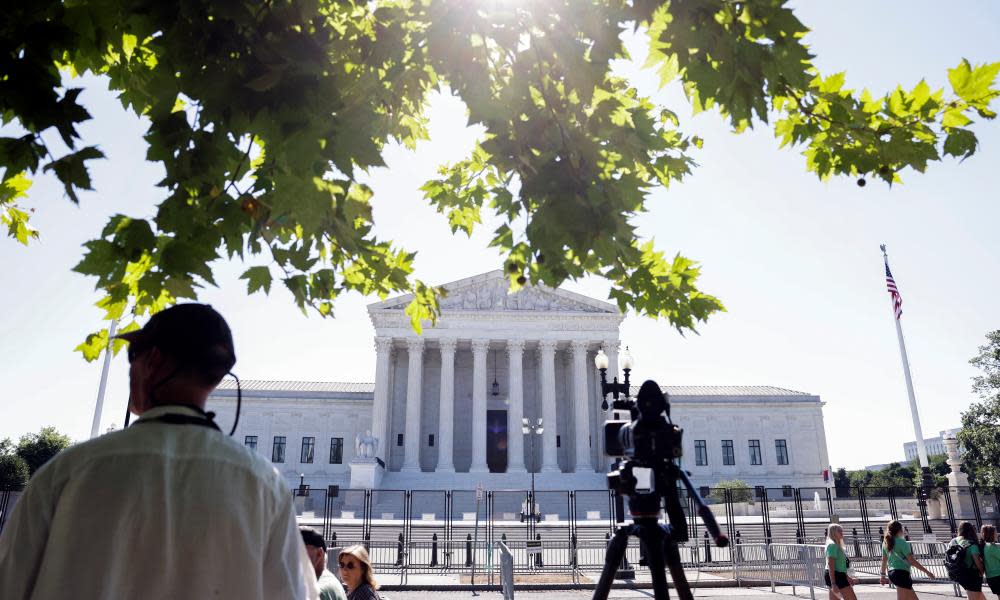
<point>129,42</point>
<point>72,170</point>
<point>970,83</point>
<point>258,278</point>
<point>961,143</point>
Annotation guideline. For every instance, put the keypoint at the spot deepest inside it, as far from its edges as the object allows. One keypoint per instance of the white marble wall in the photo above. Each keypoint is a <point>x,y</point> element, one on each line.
<point>296,418</point>
<point>799,422</point>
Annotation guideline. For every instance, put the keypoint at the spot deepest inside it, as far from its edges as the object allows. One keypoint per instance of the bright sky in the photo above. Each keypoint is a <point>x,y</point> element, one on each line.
<point>796,261</point>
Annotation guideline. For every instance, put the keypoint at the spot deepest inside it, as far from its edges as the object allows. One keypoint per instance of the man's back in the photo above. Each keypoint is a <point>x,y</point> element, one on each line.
<point>155,511</point>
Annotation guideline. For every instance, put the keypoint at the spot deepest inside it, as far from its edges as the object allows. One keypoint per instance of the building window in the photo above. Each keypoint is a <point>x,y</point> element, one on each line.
<point>399,439</point>
<point>308,448</point>
<point>558,442</point>
<point>755,458</point>
<point>728,456</point>
<point>700,453</point>
<point>430,440</point>
<point>786,491</point>
<point>250,441</point>
<point>278,450</point>
<point>704,491</point>
<point>781,449</point>
<point>336,451</point>
<point>760,492</point>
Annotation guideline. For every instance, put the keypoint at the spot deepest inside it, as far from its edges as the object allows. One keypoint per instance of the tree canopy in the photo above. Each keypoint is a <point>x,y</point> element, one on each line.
<point>35,449</point>
<point>14,471</point>
<point>264,114</point>
<point>980,434</point>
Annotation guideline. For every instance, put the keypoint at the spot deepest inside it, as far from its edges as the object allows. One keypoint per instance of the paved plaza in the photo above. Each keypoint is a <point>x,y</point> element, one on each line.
<point>941,592</point>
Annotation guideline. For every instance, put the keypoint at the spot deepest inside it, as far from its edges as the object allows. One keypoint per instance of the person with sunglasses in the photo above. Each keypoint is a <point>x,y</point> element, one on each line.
<point>356,573</point>
<point>169,507</point>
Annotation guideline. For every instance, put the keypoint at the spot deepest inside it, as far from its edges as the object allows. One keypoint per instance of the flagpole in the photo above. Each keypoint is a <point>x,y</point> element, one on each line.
<point>921,450</point>
<point>926,479</point>
<point>98,409</point>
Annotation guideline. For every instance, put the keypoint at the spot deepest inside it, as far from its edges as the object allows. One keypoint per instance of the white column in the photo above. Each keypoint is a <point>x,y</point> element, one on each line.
<point>515,410</point>
<point>547,355</point>
<point>380,409</point>
<point>446,414</point>
<point>414,383</point>
<point>611,349</point>
<point>479,349</point>
<point>581,406</point>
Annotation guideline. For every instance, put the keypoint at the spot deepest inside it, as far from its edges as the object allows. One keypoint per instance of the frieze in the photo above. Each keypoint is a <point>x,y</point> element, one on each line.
<point>494,295</point>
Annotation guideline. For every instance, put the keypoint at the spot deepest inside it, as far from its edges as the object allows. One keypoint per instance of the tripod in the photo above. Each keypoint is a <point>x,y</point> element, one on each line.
<point>658,543</point>
<point>658,546</point>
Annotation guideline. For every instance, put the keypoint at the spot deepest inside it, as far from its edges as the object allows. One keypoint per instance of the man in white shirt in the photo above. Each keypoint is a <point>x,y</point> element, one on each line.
<point>167,508</point>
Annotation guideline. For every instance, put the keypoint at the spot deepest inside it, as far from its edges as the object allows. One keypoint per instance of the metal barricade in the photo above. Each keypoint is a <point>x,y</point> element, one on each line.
<point>797,565</point>
<point>506,571</point>
<point>928,554</point>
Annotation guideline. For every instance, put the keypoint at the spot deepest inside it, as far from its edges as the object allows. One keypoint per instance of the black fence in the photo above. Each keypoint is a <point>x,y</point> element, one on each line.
<point>578,518</point>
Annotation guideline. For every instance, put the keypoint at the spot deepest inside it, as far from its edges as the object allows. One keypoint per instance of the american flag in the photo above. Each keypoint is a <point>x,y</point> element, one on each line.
<point>897,300</point>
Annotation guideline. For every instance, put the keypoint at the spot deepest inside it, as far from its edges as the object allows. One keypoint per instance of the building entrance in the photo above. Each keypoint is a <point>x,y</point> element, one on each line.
<point>496,440</point>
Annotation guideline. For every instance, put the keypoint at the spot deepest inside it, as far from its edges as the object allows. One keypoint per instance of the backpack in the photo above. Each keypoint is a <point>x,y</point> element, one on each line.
<point>954,561</point>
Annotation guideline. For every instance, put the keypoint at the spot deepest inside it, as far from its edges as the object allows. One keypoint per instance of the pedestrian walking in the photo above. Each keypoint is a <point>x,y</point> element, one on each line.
<point>991,557</point>
<point>838,581</point>
<point>898,557</point>
<point>329,586</point>
<point>971,577</point>
<point>356,573</point>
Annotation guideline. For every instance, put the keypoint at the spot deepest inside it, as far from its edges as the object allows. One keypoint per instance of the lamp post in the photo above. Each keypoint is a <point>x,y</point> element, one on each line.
<point>531,430</point>
<point>626,363</point>
<point>614,388</point>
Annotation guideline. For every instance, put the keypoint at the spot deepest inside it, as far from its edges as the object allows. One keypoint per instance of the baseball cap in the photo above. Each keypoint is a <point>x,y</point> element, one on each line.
<point>195,335</point>
<point>311,537</point>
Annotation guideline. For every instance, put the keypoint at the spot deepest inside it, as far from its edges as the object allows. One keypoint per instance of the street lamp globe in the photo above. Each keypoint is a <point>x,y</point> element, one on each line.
<point>601,360</point>
<point>626,362</point>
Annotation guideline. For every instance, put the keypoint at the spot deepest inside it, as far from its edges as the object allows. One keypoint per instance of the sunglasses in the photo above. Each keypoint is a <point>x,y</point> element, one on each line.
<point>348,566</point>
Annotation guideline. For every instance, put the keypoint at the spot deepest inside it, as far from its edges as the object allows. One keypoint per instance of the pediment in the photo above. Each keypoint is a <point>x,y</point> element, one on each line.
<point>490,293</point>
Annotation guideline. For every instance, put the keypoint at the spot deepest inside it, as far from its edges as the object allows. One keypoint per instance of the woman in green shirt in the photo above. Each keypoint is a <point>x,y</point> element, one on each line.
<point>991,557</point>
<point>837,579</point>
<point>972,576</point>
<point>897,555</point>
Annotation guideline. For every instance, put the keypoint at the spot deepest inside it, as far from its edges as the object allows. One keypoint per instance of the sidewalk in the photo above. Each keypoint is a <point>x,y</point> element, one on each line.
<point>876,592</point>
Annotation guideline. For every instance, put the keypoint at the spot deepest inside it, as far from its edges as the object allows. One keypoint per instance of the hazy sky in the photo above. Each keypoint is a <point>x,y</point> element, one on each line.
<point>795,260</point>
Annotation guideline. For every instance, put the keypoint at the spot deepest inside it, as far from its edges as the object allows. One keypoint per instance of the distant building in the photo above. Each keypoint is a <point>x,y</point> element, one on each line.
<point>878,467</point>
<point>934,445</point>
<point>445,410</point>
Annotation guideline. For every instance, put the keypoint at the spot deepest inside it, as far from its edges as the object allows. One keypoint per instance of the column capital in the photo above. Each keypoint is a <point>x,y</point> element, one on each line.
<point>515,346</point>
<point>415,344</point>
<point>480,346</point>
<point>612,345</point>
<point>580,347</point>
<point>447,344</point>
<point>383,344</point>
<point>545,346</point>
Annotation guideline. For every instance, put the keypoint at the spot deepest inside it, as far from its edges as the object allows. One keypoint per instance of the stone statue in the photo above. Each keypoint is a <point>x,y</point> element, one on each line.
<point>365,446</point>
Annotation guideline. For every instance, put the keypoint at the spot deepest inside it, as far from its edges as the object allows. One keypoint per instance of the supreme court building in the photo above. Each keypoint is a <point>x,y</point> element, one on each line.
<point>446,408</point>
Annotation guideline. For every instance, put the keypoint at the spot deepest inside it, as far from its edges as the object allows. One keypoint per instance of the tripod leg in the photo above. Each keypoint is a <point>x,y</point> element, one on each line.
<point>612,558</point>
<point>653,539</point>
<point>673,559</point>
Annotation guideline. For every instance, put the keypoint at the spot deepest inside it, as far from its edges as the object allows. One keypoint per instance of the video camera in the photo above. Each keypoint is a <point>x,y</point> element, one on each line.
<point>648,446</point>
<point>648,449</point>
<point>649,437</point>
